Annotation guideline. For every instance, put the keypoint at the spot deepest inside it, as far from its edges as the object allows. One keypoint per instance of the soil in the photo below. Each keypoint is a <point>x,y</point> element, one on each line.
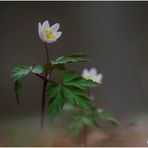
<point>26,132</point>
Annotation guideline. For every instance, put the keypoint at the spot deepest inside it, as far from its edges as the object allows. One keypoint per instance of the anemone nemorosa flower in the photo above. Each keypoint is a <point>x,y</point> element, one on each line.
<point>49,34</point>
<point>92,75</point>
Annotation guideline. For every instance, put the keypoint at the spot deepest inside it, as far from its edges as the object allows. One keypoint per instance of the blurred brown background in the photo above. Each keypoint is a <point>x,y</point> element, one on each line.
<point>114,34</point>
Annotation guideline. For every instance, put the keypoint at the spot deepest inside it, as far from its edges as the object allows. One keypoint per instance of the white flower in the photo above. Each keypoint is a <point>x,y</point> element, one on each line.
<point>49,34</point>
<point>92,75</point>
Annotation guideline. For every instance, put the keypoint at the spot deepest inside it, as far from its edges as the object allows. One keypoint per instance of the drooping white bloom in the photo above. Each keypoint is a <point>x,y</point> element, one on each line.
<point>49,34</point>
<point>92,75</point>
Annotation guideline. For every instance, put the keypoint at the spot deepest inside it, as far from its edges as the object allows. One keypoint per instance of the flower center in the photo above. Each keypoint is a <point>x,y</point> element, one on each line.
<point>49,33</point>
<point>89,78</point>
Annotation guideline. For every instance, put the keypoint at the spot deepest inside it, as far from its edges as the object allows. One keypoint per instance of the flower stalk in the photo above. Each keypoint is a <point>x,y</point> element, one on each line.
<point>44,88</point>
<point>47,53</point>
<point>48,34</point>
<point>43,103</point>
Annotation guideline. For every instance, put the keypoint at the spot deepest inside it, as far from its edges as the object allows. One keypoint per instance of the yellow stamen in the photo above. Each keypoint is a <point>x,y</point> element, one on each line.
<point>88,78</point>
<point>49,33</point>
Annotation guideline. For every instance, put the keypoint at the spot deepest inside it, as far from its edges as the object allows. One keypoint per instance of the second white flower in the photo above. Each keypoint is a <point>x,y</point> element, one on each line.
<point>92,75</point>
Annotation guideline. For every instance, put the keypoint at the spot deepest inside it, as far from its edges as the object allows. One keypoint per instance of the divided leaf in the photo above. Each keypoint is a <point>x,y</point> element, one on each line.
<point>52,90</point>
<point>17,88</point>
<point>73,79</point>
<point>74,89</point>
<point>19,73</point>
<point>82,83</point>
<point>90,121</point>
<point>58,64</point>
<point>37,69</point>
<point>76,57</point>
<point>77,97</point>
<point>76,125</point>
<point>80,121</point>
<point>56,101</point>
<point>69,76</point>
<point>106,116</point>
<point>60,67</point>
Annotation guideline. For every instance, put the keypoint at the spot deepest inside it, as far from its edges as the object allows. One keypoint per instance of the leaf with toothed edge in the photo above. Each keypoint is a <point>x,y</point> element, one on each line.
<point>56,101</point>
<point>106,116</point>
<point>77,97</point>
<point>76,57</point>
<point>17,89</point>
<point>60,67</point>
<point>19,73</point>
<point>37,69</point>
<point>71,78</point>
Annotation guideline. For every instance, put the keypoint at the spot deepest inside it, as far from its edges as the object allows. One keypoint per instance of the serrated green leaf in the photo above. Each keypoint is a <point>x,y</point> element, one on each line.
<point>82,83</point>
<point>106,116</point>
<point>19,73</point>
<point>18,86</point>
<point>81,120</point>
<point>37,69</point>
<point>89,119</point>
<point>84,102</point>
<point>52,90</point>
<point>77,57</point>
<point>56,103</point>
<point>60,67</point>
<point>69,76</point>
<point>76,126</point>
<point>77,97</point>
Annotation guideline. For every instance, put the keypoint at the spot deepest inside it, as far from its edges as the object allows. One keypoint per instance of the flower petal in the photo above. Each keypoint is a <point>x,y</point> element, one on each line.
<point>55,27</point>
<point>51,40</point>
<point>99,78</point>
<point>42,36</point>
<point>85,73</point>
<point>58,34</point>
<point>93,72</point>
<point>45,24</point>
<point>39,27</point>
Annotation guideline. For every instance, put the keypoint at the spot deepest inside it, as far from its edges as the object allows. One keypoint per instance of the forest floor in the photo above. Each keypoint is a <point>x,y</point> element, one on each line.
<point>26,132</point>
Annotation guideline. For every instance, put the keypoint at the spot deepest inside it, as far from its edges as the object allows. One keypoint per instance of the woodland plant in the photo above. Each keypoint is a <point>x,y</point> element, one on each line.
<point>70,91</point>
<point>82,119</point>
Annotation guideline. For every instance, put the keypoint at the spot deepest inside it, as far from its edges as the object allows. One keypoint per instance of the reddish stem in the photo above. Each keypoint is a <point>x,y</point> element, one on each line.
<point>44,89</point>
<point>43,103</point>
<point>42,77</point>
